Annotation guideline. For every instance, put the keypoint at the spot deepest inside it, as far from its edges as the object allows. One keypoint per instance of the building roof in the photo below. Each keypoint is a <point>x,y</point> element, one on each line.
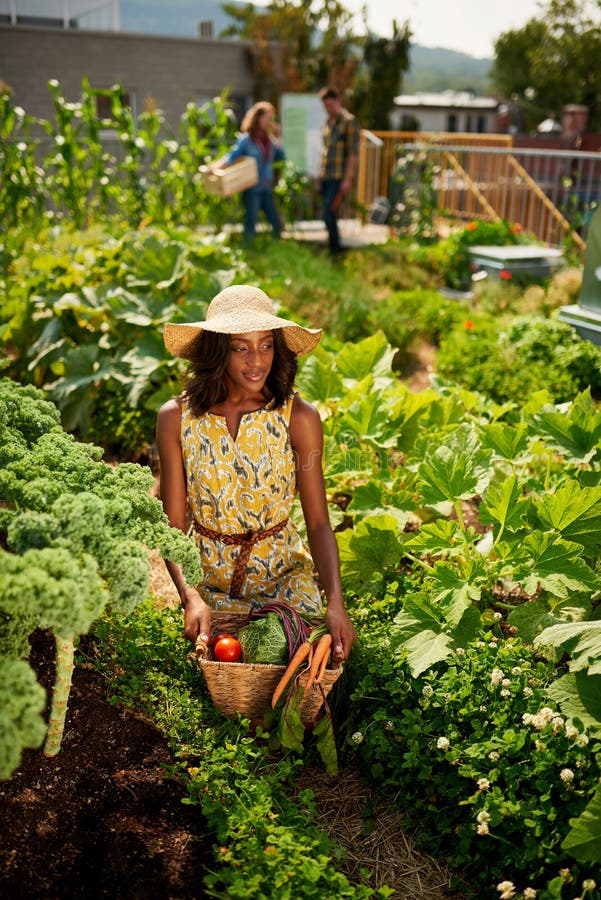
<point>447,100</point>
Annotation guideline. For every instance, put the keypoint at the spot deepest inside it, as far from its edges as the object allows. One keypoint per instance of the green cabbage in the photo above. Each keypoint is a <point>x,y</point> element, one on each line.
<point>263,641</point>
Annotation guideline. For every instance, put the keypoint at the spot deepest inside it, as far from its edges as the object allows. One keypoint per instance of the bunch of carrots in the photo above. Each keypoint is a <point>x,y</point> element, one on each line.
<point>311,656</point>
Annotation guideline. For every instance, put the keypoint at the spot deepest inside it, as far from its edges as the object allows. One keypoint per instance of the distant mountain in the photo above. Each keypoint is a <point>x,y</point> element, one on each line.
<point>438,69</point>
<point>432,68</point>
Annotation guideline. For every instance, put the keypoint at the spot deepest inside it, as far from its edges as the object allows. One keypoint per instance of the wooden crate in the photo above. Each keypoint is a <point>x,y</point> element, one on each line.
<point>241,175</point>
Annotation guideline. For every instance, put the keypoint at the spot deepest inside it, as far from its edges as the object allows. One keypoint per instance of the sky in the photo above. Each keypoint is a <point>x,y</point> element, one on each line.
<point>470,26</point>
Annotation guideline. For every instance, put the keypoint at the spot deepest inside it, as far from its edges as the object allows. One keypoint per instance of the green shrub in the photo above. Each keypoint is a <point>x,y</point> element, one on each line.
<point>513,361</point>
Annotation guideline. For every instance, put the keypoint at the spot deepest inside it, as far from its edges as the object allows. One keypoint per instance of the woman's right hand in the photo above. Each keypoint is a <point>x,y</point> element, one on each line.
<point>197,617</point>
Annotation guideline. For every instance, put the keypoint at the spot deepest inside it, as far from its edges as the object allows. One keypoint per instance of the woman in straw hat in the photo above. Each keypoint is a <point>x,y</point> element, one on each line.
<point>234,448</point>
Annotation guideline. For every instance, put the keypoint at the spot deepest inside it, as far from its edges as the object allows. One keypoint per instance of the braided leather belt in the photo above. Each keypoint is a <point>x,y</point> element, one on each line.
<point>246,540</point>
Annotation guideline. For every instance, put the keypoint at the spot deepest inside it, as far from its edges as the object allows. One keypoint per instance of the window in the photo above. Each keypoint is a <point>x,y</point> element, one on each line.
<point>452,122</point>
<point>103,105</point>
<point>481,124</point>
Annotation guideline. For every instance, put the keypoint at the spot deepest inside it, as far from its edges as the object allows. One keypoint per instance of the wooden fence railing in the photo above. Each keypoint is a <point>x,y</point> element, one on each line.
<point>550,194</point>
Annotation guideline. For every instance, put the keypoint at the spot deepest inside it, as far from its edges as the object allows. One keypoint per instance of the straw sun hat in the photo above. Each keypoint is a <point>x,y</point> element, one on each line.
<point>236,310</point>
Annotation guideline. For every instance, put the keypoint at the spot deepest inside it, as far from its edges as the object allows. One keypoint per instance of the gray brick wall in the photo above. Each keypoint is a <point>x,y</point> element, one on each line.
<point>172,71</point>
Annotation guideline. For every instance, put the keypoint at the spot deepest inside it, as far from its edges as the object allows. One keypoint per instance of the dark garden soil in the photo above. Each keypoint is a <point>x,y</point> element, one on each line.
<point>102,818</point>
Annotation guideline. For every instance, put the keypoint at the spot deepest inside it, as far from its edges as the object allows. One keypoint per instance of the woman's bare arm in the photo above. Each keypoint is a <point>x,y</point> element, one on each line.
<point>197,619</point>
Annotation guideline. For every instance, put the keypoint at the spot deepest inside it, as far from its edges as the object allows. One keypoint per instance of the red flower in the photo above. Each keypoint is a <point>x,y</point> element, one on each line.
<point>471,227</point>
<point>468,325</point>
<point>505,274</point>
<point>516,228</point>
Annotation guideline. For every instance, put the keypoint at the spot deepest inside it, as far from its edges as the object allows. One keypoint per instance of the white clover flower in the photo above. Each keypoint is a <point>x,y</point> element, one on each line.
<point>104,180</point>
<point>546,714</point>
<point>589,885</point>
<point>527,719</point>
<point>385,643</point>
<point>483,816</point>
<point>483,784</point>
<point>558,724</point>
<point>443,743</point>
<point>567,776</point>
<point>540,745</point>
<point>506,890</point>
<point>527,692</point>
<point>496,677</point>
<point>482,828</point>
<point>59,139</point>
<point>492,645</point>
<point>140,143</point>
<point>460,651</point>
<point>530,893</point>
<point>428,690</point>
<point>517,670</point>
<point>480,645</point>
<point>506,682</point>
<point>505,692</point>
<point>494,756</point>
<point>389,725</point>
<point>571,732</point>
<point>565,874</point>
<point>357,738</point>
<point>581,740</point>
<point>21,147</point>
<point>482,708</point>
<point>498,616</point>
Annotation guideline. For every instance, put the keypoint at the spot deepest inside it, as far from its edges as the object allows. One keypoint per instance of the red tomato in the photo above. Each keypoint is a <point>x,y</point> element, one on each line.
<point>228,649</point>
<point>218,637</point>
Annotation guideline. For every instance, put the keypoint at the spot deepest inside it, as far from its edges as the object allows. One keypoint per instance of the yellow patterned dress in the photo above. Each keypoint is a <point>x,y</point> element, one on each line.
<point>237,490</point>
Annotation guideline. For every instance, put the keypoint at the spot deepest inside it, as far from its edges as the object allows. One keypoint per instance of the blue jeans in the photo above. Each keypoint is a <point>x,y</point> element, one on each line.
<point>329,189</point>
<point>254,202</point>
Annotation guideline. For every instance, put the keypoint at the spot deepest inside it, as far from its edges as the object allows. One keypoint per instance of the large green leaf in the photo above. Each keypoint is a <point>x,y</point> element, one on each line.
<point>574,511</point>
<point>582,640</point>
<point>454,588</point>
<point>553,564</point>
<point>426,649</point>
<point>457,470</point>
<point>372,356</point>
<point>583,842</point>
<point>504,504</point>
<point>531,617</point>
<point>575,434</point>
<point>318,380</point>
<point>368,551</point>
<point>506,441</point>
<point>579,696</point>
<point>443,537</point>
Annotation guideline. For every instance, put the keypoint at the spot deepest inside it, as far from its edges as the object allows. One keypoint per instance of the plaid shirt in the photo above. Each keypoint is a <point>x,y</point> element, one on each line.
<point>340,140</point>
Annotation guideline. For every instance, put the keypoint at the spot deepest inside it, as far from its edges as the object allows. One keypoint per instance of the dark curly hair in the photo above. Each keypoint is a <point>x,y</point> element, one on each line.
<point>209,358</point>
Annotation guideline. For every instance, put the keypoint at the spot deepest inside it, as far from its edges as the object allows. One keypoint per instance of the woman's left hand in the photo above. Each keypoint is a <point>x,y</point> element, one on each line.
<point>342,630</point>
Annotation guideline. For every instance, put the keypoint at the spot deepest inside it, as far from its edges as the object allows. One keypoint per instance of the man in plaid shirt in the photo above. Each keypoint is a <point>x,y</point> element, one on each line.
<point>338,162</point>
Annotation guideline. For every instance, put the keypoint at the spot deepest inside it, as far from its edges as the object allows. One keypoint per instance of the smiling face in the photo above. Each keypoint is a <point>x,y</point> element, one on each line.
<point>251,359</point>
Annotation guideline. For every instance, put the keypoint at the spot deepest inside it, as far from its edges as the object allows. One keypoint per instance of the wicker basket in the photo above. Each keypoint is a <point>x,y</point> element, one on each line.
<point>247,688</point>
<point>239,176</point>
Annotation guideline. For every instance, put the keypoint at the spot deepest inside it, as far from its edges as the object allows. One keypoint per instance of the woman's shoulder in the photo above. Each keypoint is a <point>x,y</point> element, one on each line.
<point>171,411</point>
<point>303,412</point>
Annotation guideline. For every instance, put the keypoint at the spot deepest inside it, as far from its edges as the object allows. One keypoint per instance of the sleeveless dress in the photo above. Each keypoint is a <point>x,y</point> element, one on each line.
<point>247,484</point>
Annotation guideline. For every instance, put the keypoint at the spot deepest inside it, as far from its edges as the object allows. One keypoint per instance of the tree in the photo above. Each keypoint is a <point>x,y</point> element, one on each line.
<point>380,77</point>
<point>551,62</point>
<point>296,46</point>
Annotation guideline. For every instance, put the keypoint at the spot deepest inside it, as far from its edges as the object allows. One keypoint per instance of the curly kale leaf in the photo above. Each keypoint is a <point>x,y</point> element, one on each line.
<point>22,701</point>
<point>52,587</point>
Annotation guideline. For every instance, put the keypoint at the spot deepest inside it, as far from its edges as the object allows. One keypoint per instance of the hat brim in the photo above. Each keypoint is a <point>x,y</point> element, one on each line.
<point>179,338</point>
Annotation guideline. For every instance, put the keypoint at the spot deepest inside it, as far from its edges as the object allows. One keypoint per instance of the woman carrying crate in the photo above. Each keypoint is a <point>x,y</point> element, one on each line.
<point>260,139</point>
<point>234,449</point>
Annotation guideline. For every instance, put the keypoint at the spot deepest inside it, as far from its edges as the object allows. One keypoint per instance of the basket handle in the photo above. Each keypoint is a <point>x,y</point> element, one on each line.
<point>202,649</point>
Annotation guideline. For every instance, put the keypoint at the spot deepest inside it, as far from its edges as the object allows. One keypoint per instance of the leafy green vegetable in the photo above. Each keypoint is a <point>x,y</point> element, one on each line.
<point>264,641</point>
